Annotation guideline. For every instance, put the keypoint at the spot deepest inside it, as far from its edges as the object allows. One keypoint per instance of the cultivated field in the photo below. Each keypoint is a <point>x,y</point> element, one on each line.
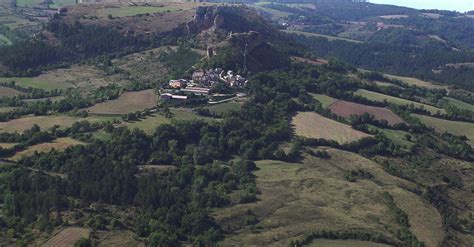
<point>346,109</point>
<point>126,103</point>
<point>398,101</point>
<point>8,92</point>
<point>415,82</point>
<point>459,104</point>
<point>324,99</point>
<point>313,125</point>
<point>46,122</point>
<point>7,109</point>
<point>67,237</point>
<point>58,144</point>
<point>453,127</point>
<point>297,199</point>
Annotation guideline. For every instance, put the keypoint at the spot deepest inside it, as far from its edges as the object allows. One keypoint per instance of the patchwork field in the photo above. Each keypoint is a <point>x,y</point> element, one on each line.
<point>8,92</point>
<point>453,127</point>
<point>459,104</point>
<point>126,103</point>
<point>313,125</point>
<point>58,144</point>
<point>67,237</point>
<point>346,109</point>
<point>394,100</point>
<point>416,82</point>
<point>297,199</point>
<point>324,99</point>
<point>46,122</point>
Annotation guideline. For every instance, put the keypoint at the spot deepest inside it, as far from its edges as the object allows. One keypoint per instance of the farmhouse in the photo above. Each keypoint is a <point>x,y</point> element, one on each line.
<point>180,83</point>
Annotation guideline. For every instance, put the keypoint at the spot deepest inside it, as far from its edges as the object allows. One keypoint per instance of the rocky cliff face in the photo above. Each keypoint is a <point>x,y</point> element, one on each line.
<point>235,19</point>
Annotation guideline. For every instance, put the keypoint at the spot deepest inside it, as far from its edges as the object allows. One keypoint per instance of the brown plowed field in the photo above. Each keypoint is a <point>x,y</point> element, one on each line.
<point>346,109</point>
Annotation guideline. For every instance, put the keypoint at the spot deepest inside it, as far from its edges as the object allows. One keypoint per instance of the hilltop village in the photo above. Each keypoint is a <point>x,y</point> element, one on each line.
<point>204,84</point>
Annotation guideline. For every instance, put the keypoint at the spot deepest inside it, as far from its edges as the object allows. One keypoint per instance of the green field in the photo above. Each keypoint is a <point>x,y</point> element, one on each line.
<point>133,10</point>
<point>453,127</point>
<point>35,82</point>
<point>150,123</point>
<point>459,104</point>
<point>323,99</point>
<point>224,107</point>
<point>397,136</point>
<point>398,101</point>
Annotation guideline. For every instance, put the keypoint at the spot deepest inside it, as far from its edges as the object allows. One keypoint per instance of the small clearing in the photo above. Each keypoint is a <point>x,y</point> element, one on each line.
<point>67,237</point>
<point>324,99</point>
<point>119,238</point>
<point>313,125</point>
<point>346,109</point>
<point>126,103</point>
<point>224,107</point>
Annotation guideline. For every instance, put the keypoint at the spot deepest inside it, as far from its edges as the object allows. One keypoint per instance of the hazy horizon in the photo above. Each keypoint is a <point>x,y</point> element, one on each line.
<point>458,5</point>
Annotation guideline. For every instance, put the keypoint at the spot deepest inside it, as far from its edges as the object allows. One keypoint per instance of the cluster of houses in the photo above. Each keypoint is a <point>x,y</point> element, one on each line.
<point>201,83</point>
